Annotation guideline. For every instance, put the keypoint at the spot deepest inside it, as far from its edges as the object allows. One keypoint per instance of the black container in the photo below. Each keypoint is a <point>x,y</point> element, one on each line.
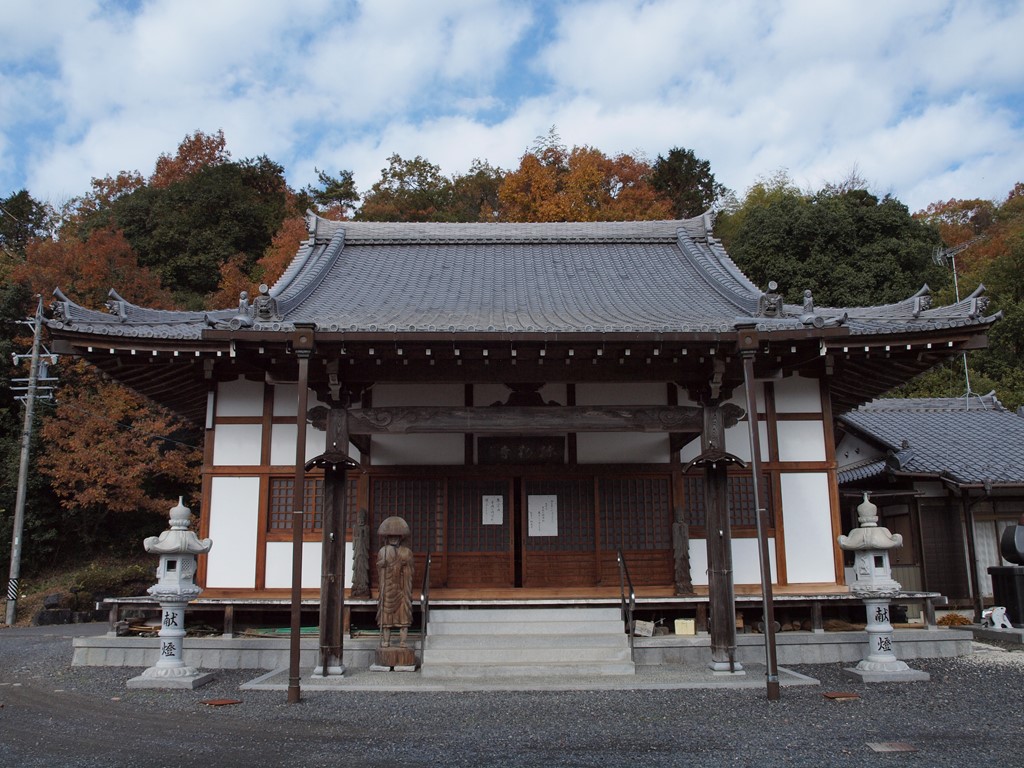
<point>1008,591</point>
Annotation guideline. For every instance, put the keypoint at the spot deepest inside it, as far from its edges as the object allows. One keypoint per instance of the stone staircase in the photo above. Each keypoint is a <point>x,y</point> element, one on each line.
<point>526,642</point>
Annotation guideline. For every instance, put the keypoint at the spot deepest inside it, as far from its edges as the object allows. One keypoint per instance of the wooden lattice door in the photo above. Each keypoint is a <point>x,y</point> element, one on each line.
<point>557,522</point>
<point>479,534</point>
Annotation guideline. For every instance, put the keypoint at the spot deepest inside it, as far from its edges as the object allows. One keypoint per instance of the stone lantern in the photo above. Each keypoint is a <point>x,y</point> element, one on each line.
<point>873,583</point>
<point>174,588</point>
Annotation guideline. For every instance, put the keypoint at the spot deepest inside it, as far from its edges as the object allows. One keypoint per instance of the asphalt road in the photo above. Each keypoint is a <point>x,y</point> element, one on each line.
<point>52,714</point>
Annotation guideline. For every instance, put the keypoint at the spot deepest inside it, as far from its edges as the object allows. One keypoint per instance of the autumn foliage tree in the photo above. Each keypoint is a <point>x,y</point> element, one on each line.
<point>115,460</point>
<point>553,183</point>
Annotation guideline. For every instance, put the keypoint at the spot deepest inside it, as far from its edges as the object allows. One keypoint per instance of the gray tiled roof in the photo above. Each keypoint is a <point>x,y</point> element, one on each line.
<point>613,277</point>
<point>969,440</point>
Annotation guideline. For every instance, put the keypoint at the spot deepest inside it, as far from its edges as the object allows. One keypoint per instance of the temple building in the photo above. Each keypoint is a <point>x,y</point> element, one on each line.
<point>531,398</point>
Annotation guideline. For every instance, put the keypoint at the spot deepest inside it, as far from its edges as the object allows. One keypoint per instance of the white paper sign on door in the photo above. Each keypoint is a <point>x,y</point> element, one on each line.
<point>493,510</point>
<point>542,515</point>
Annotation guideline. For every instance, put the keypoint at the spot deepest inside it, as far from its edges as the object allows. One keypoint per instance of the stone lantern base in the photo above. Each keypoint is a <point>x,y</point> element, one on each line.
<point>886,672</point>
<point>179,677</point>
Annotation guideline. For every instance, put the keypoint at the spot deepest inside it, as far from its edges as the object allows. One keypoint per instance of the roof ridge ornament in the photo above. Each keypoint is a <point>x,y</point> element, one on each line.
<point>265,306</point>
<point>770,304</point>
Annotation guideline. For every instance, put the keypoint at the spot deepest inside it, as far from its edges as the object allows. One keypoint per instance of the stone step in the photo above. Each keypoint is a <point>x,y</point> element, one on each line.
<point>503,656</point>
<point>531,621</point>
<point>461,670</point>
<point>522,615</point>
<point>481,640</point>
<point>572,628</point>
<point>528,642</point>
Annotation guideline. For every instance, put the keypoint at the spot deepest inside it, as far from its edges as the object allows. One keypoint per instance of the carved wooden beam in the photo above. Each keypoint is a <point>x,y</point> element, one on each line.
<point>526,420</point>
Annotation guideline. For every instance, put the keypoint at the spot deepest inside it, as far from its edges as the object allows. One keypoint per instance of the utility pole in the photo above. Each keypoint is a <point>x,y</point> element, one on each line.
<point>26,441</point>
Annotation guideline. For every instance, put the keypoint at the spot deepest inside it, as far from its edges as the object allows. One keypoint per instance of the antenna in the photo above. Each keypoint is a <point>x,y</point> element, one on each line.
<point>940,256</point>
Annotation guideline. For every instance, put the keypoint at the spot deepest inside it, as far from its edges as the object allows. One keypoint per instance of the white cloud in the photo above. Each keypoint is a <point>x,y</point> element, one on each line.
<point>923,97</point>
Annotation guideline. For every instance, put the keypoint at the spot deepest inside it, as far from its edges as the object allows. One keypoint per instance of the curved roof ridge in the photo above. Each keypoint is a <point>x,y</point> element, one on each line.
<point>467,232</point>
<point>723,278</point>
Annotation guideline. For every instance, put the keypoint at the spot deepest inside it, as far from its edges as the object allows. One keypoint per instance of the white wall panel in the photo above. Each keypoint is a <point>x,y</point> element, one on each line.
<point>282,443</point>
<point>286,399</point>
<point>418,449</point>
<point>808,521</point>
<point>801,441</point>
<point>796,394</point>
<point>745,563</point>
<point>622,448</point>
<point>237,444</point>
<point>240,397</point>
<point>234,523</point>
<point>279,564</point>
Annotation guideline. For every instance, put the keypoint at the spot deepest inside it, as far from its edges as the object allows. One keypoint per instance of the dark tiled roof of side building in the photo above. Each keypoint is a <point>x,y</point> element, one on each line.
<point>970,440</point>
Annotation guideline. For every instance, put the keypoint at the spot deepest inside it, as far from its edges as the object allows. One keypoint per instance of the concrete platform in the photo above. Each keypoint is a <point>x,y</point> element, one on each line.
<point>649,678</point>
<point>268,654</point>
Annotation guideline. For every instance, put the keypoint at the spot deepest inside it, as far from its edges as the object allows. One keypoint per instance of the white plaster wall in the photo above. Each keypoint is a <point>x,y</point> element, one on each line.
<point>641,393</point>
<point>234,523</point>
<point>801,440</point>
<point>286,399</point>
<point>279,564</point>
<point>795,394</point>
<point>737,442</point>
<point>852,450</point>
<point>390,395</point>
<point>746,566</point>
<point>282,443</point>
<point>237,444</point>
<point>622,448</point>
<point>387,450</point>
<point>240,397</point>
<point>808,522</point>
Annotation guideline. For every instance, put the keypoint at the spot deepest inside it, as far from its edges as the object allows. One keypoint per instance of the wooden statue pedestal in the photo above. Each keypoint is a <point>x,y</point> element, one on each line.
<point>395,658</point>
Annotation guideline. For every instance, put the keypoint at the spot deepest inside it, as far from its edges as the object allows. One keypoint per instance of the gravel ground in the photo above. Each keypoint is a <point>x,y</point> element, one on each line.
<point>52,714</point>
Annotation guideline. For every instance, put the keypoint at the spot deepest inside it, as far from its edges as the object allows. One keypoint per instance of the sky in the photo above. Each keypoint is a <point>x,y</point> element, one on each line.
<point>924,99</point>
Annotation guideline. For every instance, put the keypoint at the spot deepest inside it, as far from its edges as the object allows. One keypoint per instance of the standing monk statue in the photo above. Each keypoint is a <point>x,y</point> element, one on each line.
<point>394,574</point>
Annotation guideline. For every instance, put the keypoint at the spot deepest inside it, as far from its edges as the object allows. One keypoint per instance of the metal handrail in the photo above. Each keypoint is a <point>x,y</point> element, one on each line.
<point>425,599</point>
<point>627,606</point>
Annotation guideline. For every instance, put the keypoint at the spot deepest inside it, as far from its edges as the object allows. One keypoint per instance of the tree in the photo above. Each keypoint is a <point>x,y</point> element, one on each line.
<point>114,459</point>
<point>554,183</point>
<point>408,190</point>
<point>475,193</point>
<point>22,218</point>
<point>188,229</point>
<point>195,152</point>
<point>848,247</point>
<point>687,181</point>
<point>236,277</point>
<point>87,269</point>
<point>335,197</point>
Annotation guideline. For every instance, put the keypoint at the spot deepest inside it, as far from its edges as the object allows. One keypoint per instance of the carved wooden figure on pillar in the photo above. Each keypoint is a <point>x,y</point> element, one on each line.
<point>394,607</point>
<point>681,553</point>
<point>361,556</point>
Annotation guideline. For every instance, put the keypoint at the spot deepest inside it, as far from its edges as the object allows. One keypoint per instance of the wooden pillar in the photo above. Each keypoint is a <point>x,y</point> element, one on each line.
<point>721,588</point>
<point>336,463</point>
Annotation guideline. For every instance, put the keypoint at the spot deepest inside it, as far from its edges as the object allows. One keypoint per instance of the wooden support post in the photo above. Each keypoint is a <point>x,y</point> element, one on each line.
<point>332,574</point>
<point>229,620</point>
<point>817,623</point>
<point>721,589</point>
